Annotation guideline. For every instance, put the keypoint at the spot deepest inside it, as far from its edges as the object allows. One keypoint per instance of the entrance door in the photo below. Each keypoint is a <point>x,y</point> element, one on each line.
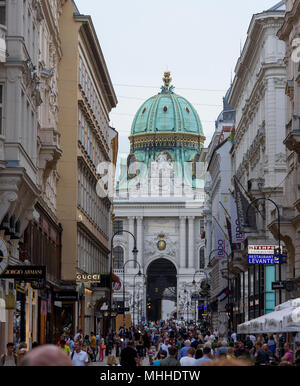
<point>161,289</point>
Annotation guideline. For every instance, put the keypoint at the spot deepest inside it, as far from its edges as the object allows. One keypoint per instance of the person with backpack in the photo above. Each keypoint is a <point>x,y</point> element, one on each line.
<point>10,358</point>
<point>78,356</point>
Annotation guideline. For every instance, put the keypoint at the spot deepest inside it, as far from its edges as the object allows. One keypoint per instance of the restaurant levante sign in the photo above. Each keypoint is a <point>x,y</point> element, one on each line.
<point>24,272</point>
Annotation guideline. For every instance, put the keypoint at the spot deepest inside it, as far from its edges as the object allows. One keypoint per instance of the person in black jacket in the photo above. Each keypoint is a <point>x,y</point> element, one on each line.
<point>129,356</point>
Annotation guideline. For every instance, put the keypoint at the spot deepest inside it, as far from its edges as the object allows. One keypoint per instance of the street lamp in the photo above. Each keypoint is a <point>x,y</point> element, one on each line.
<point>194,284</point>
<point>228,281</point>
<point>134,251</point>
<point>278,226</point>
<point>139,273</point>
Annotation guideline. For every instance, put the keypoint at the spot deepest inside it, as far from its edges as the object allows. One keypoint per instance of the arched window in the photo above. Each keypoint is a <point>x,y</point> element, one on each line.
<point>201,258</point>
<point>197,166</point>
<point>132,166</point>
<point>118,258</point>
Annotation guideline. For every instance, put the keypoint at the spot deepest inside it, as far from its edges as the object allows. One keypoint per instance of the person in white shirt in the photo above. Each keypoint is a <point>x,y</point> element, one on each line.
<point>165,346</point>
<point>189,360</point>
<point>253,339</point>
<point>78,356</point>
<point>78,336</point>
<point>234,337</point>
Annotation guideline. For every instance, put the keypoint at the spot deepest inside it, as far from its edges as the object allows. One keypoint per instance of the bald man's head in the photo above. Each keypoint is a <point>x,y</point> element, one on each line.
<point>46,355</point>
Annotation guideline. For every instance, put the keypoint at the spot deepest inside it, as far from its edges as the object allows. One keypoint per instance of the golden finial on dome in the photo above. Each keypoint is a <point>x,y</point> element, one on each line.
<point>167,79</point>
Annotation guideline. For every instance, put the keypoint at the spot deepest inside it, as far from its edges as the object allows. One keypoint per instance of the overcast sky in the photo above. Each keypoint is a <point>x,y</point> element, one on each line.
<point>198,41</point>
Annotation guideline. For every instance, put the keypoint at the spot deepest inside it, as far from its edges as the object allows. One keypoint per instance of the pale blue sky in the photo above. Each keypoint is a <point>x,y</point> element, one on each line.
<point>198,41</point>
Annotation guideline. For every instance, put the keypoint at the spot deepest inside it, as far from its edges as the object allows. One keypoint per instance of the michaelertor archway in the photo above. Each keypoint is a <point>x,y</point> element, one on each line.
<point>161,285</point>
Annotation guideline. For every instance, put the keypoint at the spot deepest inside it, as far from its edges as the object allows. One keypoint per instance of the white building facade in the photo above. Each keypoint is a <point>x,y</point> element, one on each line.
<point>29,143</point>
<point>159,200</point>
<point>258,154</point>
<point>217,207</point>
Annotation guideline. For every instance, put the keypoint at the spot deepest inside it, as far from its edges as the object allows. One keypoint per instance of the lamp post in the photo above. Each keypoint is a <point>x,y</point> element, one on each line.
<point>228,281</point>
<point>278,226</point>
<point>134,251</point>
<point>138,274</point>
<point>194,284</point>
<point>128,261</point>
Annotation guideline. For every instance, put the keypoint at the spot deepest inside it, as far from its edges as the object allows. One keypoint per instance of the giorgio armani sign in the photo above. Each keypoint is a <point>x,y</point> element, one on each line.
<point>24,272</point>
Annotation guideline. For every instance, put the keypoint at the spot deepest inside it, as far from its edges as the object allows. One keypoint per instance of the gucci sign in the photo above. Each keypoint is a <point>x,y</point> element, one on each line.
<point>87,278</point>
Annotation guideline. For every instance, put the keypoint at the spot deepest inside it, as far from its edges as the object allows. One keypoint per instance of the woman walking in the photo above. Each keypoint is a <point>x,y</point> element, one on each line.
<point>102,348</point>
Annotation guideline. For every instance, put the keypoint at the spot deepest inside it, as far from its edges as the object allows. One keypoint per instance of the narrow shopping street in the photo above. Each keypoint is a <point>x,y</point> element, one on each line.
<point>149,184</point>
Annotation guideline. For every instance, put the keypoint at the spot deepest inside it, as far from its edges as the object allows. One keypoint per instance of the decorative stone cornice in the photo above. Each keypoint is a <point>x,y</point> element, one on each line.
<point>291,18</point>
<point>149,140</point>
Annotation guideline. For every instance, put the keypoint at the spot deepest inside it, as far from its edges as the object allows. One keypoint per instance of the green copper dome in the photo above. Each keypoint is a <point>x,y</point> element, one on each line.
<point>166,128</point>
<point>166,112</point>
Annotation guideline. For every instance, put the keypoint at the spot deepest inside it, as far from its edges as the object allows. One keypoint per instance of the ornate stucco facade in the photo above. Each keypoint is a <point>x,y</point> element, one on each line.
<point>258,154</point>
<point>217,207</point>
<point>290,223</point>
<point>29,146</point>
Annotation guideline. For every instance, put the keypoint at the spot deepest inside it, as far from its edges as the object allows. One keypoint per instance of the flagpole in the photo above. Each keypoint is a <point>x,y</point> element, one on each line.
<point>226,236</point>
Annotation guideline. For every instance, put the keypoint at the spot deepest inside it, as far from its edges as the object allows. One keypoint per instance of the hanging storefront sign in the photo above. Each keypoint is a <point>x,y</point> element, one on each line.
<point>24,272</point>
<point>20,288</point>
<point>67,296</point>
<point>10,302</point>
<point>88,278</point>
<point>262,254</point>
<point>38,284</point>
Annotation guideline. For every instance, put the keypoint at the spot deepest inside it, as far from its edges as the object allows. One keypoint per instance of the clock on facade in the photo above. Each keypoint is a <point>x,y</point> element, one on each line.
<point>3,256</point>
<point>161,245</point>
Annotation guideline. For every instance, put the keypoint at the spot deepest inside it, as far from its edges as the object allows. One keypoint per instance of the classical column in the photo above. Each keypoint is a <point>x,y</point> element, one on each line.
<point>139,240</point>
<point>191,263</point>
<point>130,243</point>
<point>182,232</point>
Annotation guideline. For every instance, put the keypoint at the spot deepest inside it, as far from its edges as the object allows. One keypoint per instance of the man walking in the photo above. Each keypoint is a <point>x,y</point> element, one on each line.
<point>172,359</point>
<point>78,356</point>
<point>206,356</point>
<point>10,358</point>
<point>129,356</point>
<point>93,345</point>
<point>183,351</point>
<point>188,360</point>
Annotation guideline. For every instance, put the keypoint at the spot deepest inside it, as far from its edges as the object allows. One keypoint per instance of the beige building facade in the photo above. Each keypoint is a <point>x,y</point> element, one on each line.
<point>290,222</point>
<point>86,96</point>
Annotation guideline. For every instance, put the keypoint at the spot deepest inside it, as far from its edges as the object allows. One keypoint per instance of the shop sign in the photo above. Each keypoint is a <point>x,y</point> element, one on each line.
<point>88,278</point>
<point>24,272</point>
<point>20,289</point>
<point>38,284</point>
<point>10,302</point>
<point>278,285</point>
<point>263,254</point>
<point>67,296</point>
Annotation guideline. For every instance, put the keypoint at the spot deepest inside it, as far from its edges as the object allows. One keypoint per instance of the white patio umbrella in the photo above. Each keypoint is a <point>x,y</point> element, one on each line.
<point>243,328</point>
<point>285,318</point>
<point>291,320</point>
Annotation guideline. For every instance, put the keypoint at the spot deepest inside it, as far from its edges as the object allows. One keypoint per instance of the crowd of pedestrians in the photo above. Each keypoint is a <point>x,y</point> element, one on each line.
<point>158,344</point>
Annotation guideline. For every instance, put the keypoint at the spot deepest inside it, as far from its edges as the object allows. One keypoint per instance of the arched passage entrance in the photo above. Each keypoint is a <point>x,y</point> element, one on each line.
<point>161,285</point>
